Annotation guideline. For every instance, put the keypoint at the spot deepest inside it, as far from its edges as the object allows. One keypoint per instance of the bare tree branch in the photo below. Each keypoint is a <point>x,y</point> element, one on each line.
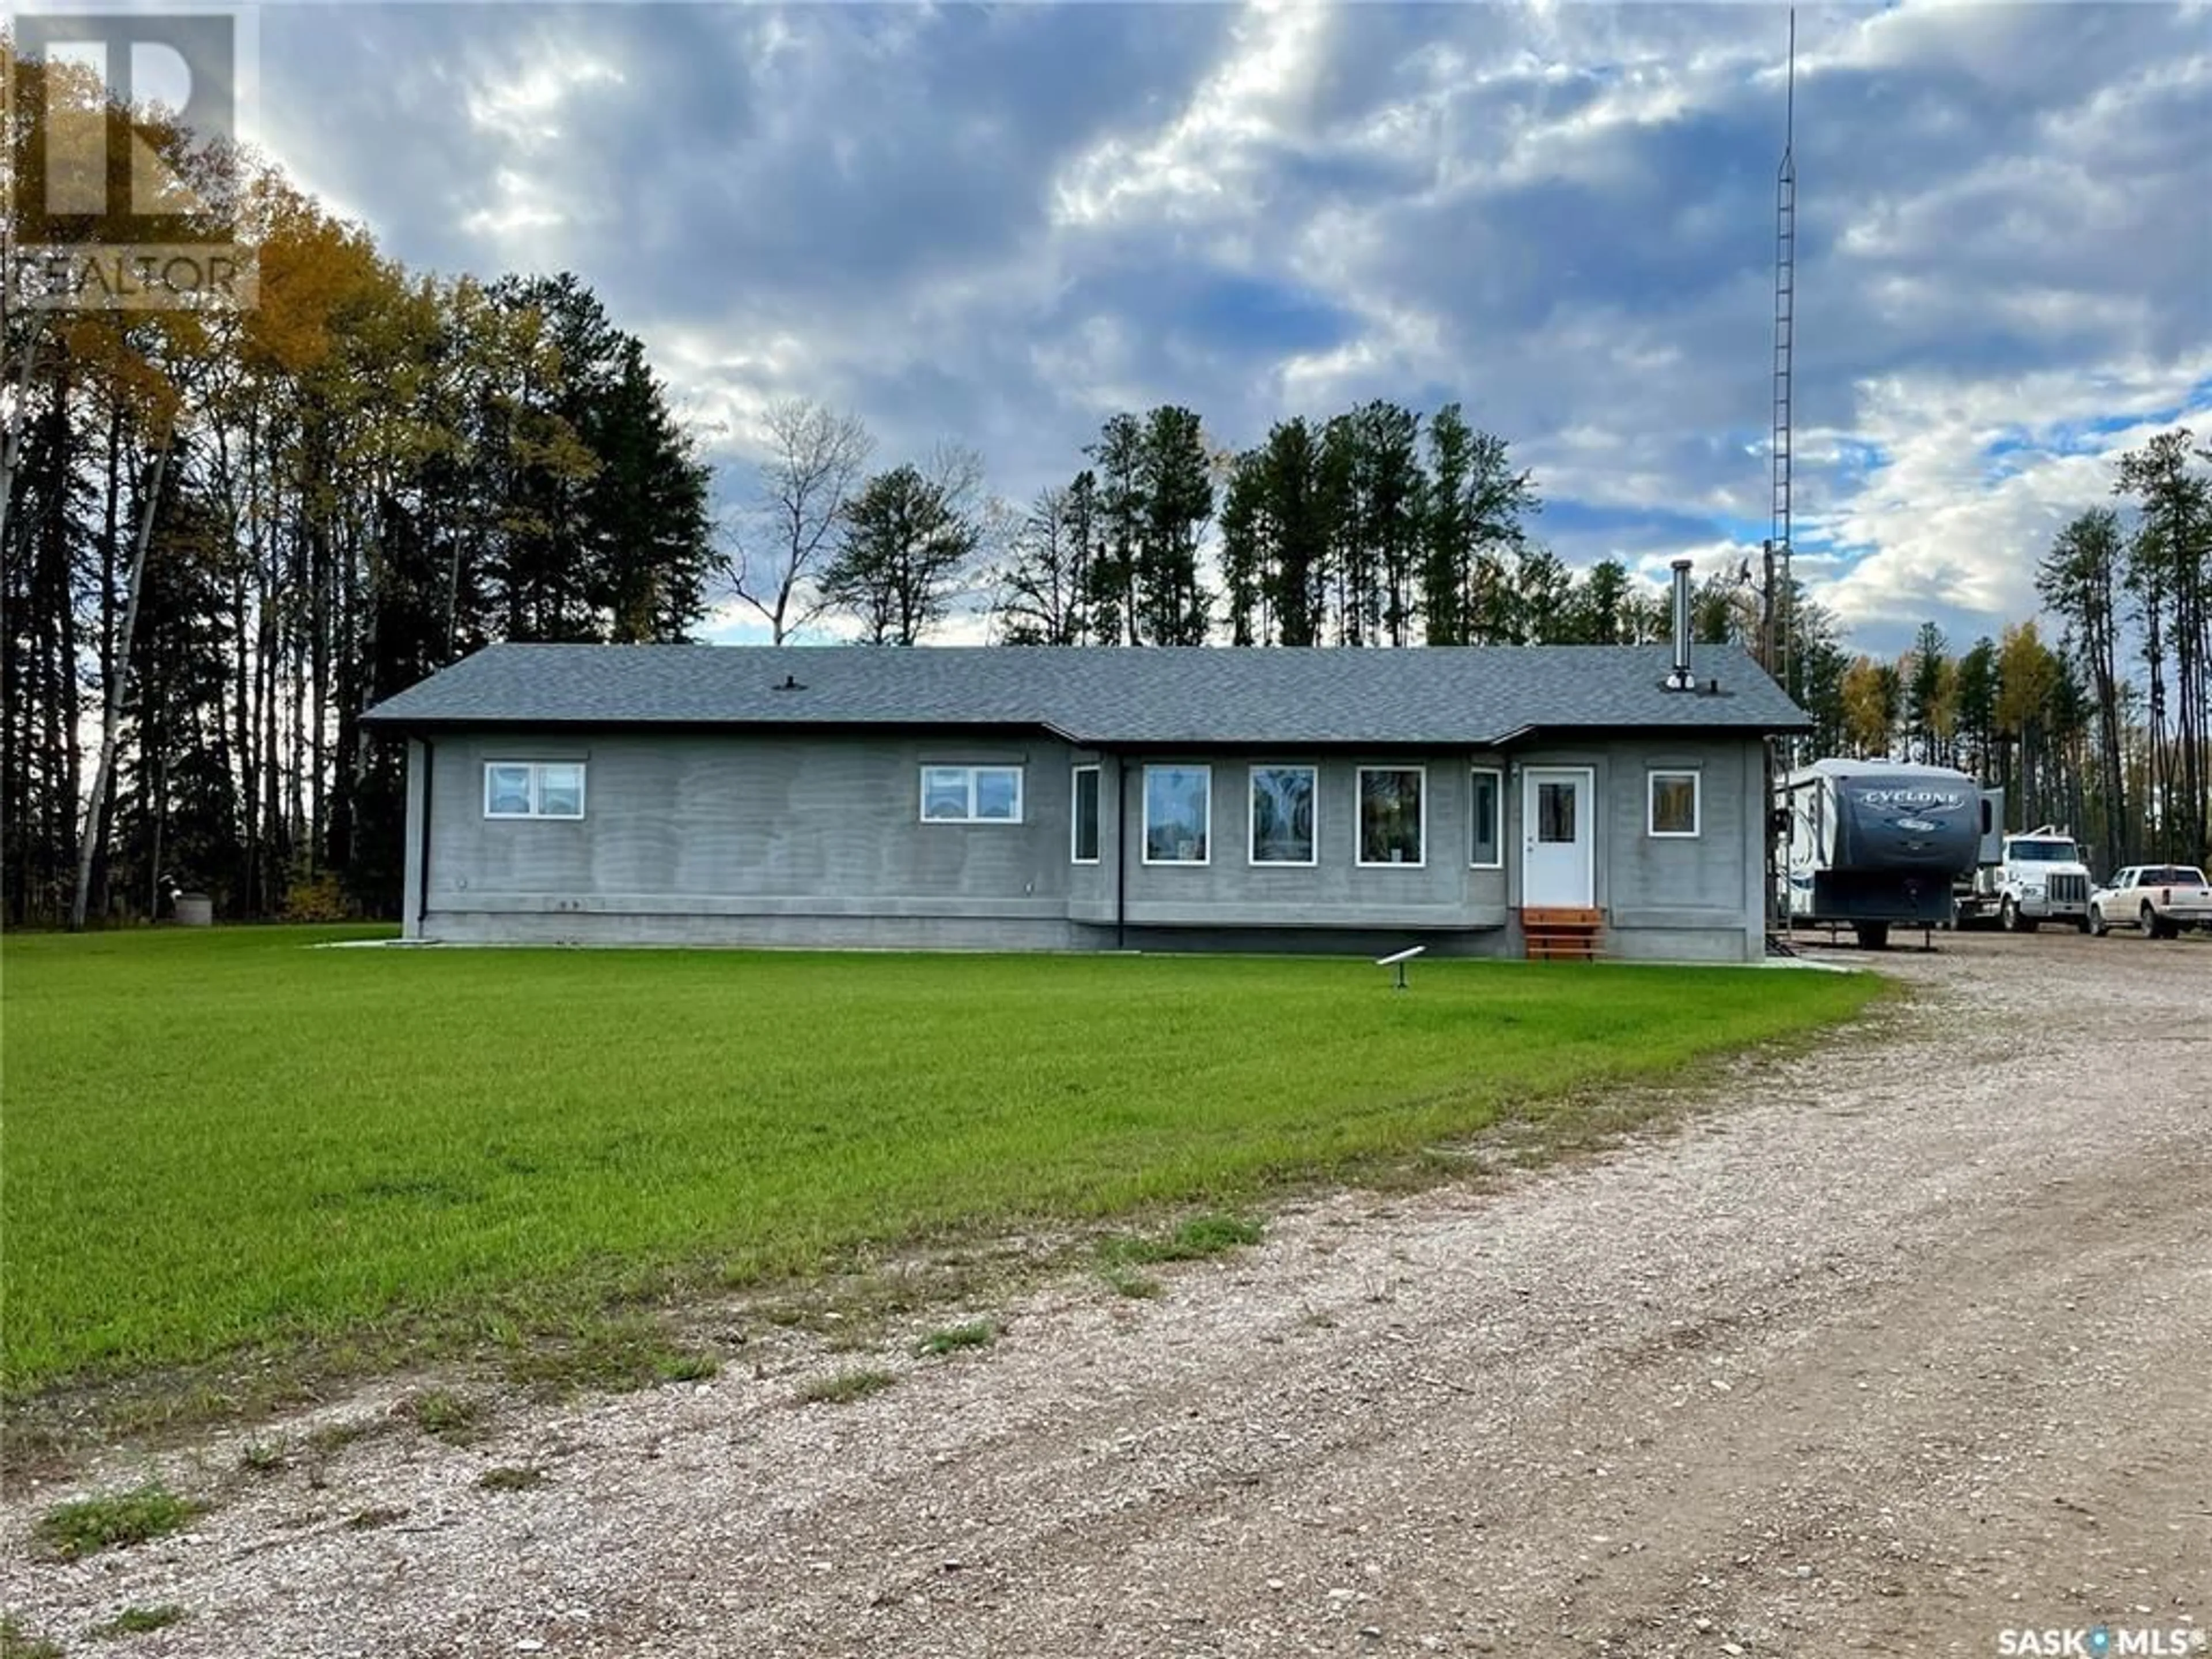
<point>810,477</point>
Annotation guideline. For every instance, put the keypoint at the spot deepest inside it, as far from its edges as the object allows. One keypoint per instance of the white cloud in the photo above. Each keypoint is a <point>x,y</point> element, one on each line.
<point>999,225</point>
<point>1934,524</point>
<point>1201,164</point>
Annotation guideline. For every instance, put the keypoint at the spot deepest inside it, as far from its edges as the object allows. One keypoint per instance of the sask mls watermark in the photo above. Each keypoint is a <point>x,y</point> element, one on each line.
<point>123,128</point>
<point>2103,1642</point>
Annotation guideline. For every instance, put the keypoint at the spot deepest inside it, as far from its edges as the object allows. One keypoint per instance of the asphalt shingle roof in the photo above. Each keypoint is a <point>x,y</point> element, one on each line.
<point>1445,696</point>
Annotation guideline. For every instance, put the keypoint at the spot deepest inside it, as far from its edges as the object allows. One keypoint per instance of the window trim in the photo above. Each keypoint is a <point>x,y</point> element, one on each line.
<point>1359,825</point>
<point>1075,813</point>
<point>1144,816</point>
<point>971,769</point>
<point>537,769</point>
<point>1497,775</point>
<point>1697,777</point>
<point>1252,858</point>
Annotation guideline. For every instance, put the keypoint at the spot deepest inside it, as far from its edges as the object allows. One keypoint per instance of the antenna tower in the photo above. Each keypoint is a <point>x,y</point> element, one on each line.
<point>1778,599</point>
<point>1777,612</point>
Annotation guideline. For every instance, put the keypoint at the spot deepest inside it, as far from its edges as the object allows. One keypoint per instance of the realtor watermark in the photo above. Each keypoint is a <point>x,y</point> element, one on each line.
<point>128,124</point>
<point>2103,1641</point>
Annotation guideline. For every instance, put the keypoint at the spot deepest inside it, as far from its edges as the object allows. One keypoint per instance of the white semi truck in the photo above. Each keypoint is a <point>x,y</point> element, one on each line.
<point>2022,879</point>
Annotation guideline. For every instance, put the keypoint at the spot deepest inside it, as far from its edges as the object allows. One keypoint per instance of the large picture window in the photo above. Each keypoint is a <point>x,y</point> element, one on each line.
<point>1485,810</point>
<point>534,789</point>
<point>1283,814</point>
<point>1083,842</point>
<point>971,794</point>
<point>1673,803</point>
<point>1392,814</point>
<point>1178,812</point>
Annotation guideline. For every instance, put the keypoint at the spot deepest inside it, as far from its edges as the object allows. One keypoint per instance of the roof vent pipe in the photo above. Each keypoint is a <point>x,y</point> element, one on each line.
<point>1681,680</point>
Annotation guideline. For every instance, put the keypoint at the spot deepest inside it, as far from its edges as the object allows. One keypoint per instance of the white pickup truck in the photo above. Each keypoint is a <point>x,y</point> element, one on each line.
<point>2164,900</point>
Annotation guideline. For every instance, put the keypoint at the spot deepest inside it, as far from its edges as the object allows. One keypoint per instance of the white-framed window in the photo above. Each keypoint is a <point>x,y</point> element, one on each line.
<point>1083,832</point>
<point>1178,814</point>
<point>1283,814</point>
<point>534,789</point>
<point>971,794</point>
<point>1672,801</point>
<point>1486,816</point>
<point>1393,809</point>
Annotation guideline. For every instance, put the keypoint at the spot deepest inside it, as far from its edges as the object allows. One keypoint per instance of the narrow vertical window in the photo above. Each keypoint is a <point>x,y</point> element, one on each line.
<point>1086,831</point>
<point>1486,852</point>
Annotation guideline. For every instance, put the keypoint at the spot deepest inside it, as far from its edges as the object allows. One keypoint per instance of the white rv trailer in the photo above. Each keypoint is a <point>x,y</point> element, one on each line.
<point>1877,843</point>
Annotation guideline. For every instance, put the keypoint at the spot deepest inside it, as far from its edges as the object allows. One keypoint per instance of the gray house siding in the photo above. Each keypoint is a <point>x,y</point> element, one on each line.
<point>705,838</point>
<point>1229,891</point>
<point>808,838</point>
<point>1691,899</point>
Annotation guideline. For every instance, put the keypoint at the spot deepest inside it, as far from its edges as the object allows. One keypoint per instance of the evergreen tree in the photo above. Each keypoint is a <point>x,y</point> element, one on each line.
<point>1930,685</point>
<point>1392,493</point>
<point>908,540</point>
<point>1119,454</point>
<point>1174,486</point>
<point>2080,579</point>
<point>1297,505</point>
<point>1246,562</point>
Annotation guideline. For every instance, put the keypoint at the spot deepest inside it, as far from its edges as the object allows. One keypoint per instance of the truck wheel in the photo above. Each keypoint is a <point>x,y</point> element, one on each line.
<point>2008,915</point>
<point>2153,928</point>
<point>2097,923</point>
<point>1873,935</point>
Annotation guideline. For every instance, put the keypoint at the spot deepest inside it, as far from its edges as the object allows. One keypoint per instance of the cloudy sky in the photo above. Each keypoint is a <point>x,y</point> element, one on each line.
<point>998,224</point>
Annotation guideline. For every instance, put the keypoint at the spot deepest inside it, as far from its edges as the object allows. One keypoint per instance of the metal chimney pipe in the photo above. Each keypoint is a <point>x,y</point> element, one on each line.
<point>1681,679</point>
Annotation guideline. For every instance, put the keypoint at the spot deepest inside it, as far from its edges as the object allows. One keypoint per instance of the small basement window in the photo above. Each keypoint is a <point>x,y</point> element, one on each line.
<point>1673,803</point>
<point>971,794</point>
<point>534,789</point>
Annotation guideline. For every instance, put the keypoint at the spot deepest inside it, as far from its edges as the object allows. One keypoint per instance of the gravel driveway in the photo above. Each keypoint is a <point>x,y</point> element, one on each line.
<point>1909,1345</point>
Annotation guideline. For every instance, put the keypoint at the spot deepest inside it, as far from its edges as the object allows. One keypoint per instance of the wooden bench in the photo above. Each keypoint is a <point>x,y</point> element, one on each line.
<point>1562,933</point>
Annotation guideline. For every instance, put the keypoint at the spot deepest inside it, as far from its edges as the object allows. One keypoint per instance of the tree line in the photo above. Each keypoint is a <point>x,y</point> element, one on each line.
<point>228,532</point>
<point>1379,526</point>
<point>223,535</point>
<point>1376,527</point>
<point>2105,727</point>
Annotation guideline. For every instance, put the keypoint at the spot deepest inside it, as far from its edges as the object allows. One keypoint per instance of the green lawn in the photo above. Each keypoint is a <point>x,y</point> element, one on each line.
<point>215,1140</point>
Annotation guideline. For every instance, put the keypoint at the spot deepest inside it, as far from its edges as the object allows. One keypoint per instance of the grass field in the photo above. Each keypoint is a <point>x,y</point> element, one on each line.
<point>222,1141</point>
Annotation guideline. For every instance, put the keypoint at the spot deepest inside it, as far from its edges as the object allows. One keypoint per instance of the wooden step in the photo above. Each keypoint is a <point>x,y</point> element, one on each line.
<point>1562,933</point>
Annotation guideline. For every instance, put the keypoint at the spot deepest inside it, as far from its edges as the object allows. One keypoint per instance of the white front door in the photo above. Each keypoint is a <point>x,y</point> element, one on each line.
<point>1557,837</point>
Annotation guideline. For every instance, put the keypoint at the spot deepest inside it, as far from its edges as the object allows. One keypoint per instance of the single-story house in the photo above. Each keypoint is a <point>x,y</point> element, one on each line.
<point>1208,798</point>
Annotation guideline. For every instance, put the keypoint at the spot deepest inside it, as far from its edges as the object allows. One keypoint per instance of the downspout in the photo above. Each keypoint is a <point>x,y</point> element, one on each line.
<point>423,853</point>
<point>1121,852</point>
